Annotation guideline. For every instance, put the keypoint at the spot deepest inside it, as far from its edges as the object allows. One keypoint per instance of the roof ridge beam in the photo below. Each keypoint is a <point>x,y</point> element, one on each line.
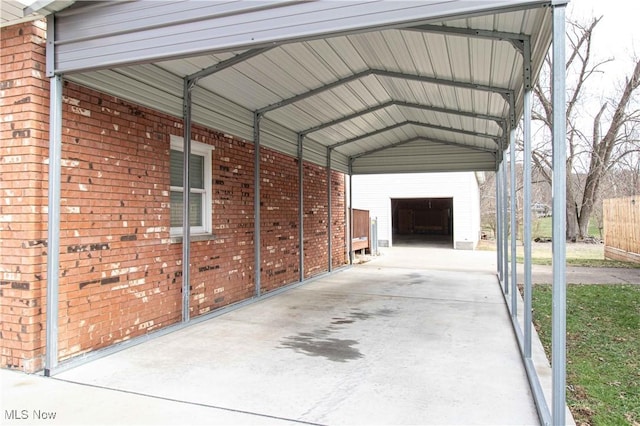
<point>503,91</point>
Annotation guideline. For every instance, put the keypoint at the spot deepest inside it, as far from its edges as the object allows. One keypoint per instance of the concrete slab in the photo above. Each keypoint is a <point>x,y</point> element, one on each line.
<point>387,342</point>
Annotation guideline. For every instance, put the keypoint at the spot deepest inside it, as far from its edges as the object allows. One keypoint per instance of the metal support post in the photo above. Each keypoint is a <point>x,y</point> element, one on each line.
<point>514,224</point>
<point>350,236</point>
<point>329,227</point>
<point>53,237</point>
<point>498,235</point>
<point>526,220</point>
<point>186,199</point>
<point>505,233</point>
<point>301,203</point>
<point>559,292</point>
<point>256,203</point>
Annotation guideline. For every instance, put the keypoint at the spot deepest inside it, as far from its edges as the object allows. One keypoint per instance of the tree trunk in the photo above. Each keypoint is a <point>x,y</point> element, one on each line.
<point>573,230</point>
<point>583,221</point>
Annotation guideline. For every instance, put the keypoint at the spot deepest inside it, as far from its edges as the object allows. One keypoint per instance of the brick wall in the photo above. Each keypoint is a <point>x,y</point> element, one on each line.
<point>315,220</point>
<point>338,220</point>
<point>279,215</point>
<point>24,112</point>
<point>120,272</point>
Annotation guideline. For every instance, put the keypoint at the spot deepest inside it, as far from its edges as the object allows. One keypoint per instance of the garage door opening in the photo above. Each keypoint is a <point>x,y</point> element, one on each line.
<point>422,221</point>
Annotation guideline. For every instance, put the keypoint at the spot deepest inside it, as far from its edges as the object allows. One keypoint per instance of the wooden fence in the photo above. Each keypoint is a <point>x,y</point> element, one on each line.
<point>361,229</point>
<point>621,217</point>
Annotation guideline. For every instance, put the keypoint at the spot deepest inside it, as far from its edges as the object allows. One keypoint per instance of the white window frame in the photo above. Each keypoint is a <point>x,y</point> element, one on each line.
<point>206,151</point>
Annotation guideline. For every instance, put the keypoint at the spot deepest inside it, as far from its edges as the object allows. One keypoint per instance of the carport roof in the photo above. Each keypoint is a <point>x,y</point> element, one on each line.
<point>388,87</point>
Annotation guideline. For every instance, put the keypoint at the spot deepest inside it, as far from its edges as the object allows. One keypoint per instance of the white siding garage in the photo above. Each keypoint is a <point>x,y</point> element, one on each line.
<point>440,205</point>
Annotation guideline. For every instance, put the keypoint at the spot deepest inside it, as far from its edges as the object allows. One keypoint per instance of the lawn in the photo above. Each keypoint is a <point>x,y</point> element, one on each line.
<point>541,227</point>
<point>603,350</point>
<point>577,254</point>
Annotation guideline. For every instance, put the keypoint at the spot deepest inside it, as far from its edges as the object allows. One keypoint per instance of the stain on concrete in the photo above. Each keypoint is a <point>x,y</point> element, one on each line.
<point>319,344</point>
<point>415,278</point>
<point>339,321</point>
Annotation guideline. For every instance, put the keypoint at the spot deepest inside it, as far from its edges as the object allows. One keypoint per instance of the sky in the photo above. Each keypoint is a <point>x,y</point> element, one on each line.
<point>617,35</point>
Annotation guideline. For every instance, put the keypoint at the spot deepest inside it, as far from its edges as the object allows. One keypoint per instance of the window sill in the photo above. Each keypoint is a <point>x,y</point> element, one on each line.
<point>177,239</point>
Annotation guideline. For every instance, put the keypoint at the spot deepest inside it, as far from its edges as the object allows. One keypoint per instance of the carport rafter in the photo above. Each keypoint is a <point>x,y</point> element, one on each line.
<point>521,42</point>
<point>228,63</point>
<point>413,123</point>
<point>505,92</point>
<point>421,138</point>
<point>474,33</point>
<point>498,120</point>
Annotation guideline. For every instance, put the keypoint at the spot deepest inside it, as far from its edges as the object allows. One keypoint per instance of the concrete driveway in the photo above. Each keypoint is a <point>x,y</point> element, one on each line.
<point>403,339</point>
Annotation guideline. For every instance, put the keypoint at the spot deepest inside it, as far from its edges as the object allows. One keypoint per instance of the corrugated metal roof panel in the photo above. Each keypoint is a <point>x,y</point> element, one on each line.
<point>11,12</point>
<point>97,37</point>
<point>122,86</point>
<point>308,80</point>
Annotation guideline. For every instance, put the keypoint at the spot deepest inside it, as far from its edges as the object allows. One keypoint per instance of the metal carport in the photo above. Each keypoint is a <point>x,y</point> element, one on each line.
<point>361,87</point>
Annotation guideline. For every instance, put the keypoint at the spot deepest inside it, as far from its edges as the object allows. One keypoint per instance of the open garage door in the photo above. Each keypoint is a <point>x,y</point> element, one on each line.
<point>427,221</point>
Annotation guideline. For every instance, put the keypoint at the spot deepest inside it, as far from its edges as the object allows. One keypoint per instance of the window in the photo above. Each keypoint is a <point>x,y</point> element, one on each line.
<point>200,176</point>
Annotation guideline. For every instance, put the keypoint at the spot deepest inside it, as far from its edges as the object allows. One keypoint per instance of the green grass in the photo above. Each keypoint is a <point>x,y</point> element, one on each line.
<point>577,254</point>
<point>603,350</point>
<point>588,263</point>
<point>541,228</point>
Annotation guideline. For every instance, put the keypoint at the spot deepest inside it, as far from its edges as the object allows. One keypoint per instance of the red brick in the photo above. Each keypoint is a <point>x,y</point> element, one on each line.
<point>115,185</point>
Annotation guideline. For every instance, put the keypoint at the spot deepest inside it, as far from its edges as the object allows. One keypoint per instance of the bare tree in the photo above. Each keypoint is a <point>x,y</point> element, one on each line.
<point>593,152</point>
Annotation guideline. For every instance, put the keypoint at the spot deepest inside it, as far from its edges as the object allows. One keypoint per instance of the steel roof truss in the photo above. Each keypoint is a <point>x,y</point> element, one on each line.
<point>498,120</point>
<point>517,40</point>
<point>494,138</point>
<point>449,129</point>
<point>368,135</point>
<point>315,91</point>
<point>505,92</point>
<point>421,138</point>
<point>226,64</point>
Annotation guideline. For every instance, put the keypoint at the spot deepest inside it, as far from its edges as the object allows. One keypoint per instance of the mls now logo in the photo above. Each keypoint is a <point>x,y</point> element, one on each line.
<point>26,414</point>
<point>16,414</point>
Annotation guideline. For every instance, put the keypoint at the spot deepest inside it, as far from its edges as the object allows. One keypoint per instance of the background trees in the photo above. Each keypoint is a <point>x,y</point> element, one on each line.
<point>602,130</point>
